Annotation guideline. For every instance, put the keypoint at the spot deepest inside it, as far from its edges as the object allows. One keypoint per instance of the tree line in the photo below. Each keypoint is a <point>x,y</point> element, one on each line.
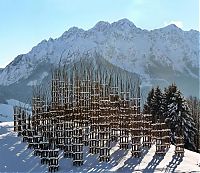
<point>180,114</point>
<point>194,105</point>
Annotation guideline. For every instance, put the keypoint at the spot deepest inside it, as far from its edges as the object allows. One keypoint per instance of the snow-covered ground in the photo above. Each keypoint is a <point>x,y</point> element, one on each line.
<point>6,110</point>
<point>15,157</point>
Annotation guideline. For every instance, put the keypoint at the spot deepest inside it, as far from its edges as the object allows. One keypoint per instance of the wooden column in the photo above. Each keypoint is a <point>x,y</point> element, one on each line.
<point>147,127</point>
<point>77,126</point>
<point>124,119</point>
<point>104,124</point>
<point>114,113</point>
<point>94,112</point>
<point>136,125</point>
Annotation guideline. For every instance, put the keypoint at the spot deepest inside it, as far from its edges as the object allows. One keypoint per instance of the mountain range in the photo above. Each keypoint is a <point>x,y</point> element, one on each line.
<point>159,57</point>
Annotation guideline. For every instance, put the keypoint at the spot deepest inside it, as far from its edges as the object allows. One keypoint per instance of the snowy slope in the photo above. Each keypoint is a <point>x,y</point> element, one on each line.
<point>17,158</point>
<point>6,110</point>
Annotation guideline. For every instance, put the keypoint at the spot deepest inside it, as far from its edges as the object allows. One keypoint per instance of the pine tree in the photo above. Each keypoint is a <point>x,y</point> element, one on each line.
<point>148,104</point>
<point>194,105</point>
<point>178,115</point>
<point>156,105</point>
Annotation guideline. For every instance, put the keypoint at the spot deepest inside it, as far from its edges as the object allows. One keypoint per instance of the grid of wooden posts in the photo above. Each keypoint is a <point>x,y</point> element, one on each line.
<point>89,109</point>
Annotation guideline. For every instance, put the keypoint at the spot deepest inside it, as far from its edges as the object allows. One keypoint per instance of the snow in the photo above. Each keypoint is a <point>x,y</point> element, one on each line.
<point>121,43</point>
<point>39,80</point>
<point>6,110</point>
<point>198,163</point>
<point>14,102</point>
<point>17,158</point>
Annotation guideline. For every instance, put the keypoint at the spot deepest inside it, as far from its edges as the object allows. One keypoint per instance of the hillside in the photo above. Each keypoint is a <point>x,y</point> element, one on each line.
<point>159,56</point>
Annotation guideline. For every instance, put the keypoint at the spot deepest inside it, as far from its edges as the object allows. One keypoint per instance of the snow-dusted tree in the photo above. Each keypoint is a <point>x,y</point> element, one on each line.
<point>178,115</point>
<point>194,105</point>
<point>156,107</point>
<point>148,104</point>
<point>154,104</point>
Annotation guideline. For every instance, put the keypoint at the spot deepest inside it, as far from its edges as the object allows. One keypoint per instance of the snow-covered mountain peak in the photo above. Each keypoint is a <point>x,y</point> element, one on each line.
<point>172,26</point>
<point>74,30</point>
<point>71,32</point>
<point>50,39</point>
<point>170,29</point>
<point>101,26</point>
<point>124,25</point>
<point>121,43</point>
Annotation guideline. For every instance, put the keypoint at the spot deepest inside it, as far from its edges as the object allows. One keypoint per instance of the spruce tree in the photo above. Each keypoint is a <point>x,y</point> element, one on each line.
<point>148,104</point>
<point>156,105</point>
<point>194,105</point>
<point>178,115</point>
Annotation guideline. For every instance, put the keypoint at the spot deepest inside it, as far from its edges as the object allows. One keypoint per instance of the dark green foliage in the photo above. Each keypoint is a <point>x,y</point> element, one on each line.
<point>178,116</point>
<point>157,105</point>
<point>148,105</point>
<point>154,104</point>
<point>194,105</point>
<point>172,108</point>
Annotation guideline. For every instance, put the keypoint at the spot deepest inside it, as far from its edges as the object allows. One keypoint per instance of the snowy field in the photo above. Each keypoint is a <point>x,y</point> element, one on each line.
<point>15,157</point>
<point>6,110</point>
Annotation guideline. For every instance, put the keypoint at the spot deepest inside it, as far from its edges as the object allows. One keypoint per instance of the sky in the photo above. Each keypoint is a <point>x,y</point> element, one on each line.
<point>25,23</point>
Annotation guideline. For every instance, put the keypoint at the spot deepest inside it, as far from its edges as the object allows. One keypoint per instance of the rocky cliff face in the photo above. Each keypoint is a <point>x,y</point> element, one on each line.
<point>159,56</point>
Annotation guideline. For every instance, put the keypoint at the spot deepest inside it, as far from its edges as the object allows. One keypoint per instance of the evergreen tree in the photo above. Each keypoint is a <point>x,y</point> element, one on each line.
<point>148,104</point>
<point>156,105</point>
<point>194,105</point>
<point>172,108</point>
<point>178,115</point>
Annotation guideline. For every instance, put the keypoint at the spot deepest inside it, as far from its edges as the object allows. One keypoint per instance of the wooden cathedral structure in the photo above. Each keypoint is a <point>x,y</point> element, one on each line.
<point>89,108</point>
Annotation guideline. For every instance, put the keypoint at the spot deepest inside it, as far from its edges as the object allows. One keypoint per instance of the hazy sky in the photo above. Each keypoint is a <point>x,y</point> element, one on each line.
<point>24,23</point>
